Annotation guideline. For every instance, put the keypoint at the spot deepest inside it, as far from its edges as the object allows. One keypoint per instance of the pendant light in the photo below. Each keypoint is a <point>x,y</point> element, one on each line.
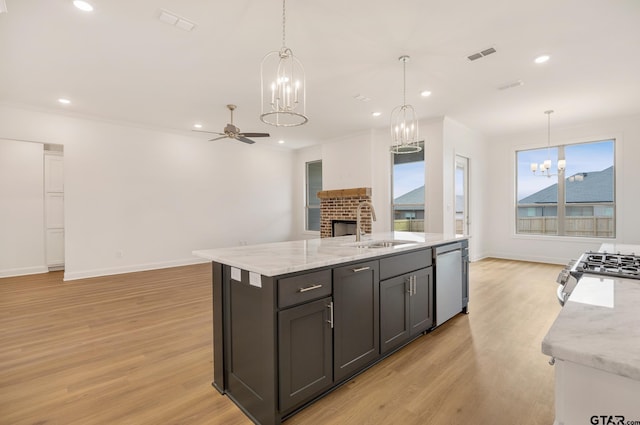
<point>404,123</point>
<point>545,167</point>
<point>283,88</point>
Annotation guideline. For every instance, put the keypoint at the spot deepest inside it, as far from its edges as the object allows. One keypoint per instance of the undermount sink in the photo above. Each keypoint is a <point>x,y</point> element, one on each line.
<point>381,244</point>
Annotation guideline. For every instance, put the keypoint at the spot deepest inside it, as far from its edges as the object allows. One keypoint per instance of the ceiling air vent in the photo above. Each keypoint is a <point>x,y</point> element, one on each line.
<point>481,54</point>
<point>511,85</point>
<point>175,20</point>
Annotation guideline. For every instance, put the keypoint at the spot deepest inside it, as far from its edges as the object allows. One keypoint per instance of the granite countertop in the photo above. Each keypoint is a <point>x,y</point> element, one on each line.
<point>599,326</point>
<point>273,259</point>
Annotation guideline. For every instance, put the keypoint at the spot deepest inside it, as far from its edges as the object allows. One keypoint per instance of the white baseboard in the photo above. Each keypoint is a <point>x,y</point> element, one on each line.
<point>70,275</point>
<point>23,271</point>
<point>533,259</point>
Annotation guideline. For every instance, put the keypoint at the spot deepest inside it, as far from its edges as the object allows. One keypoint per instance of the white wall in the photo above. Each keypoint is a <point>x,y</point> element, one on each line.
<point>500,203</point>
<point>460,140</point>
<point>348,162</point>
<point>153,196</point>
<point>363,160</point>
<point>22,248</point>
<point>434,157</point>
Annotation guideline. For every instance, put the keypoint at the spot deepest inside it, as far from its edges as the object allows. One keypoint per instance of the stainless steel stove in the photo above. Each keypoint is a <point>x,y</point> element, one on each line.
<point>596,263</point>
<point>602,263</point>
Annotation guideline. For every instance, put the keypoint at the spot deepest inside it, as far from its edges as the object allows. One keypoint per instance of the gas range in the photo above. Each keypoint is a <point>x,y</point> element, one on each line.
<point>596,263</point>
<point>603,263</point>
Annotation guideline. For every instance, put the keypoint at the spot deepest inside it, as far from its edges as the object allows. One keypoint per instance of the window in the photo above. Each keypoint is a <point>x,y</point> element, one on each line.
<point>408,191</point>
<point>312,202</point>
<point>579,203</point>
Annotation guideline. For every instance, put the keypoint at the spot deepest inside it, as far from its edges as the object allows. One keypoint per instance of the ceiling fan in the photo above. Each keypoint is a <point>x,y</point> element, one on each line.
<point>233,132</point>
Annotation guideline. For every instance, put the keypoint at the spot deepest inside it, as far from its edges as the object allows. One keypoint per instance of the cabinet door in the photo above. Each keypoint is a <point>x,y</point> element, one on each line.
<point>421,300</point>
<point>356,293</point>
<point>394,311</point>
<point>305,352</point>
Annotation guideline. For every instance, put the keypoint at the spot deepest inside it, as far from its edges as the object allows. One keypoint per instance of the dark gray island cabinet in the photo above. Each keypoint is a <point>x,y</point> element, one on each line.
<point>281,342</point>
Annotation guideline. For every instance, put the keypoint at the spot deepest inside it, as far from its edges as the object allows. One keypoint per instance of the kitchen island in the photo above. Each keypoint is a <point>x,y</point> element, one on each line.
<point>294,320</point>
<point>595,344</point>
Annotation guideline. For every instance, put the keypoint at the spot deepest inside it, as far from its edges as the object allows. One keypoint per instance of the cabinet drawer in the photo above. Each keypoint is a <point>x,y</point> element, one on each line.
<point>404,263</point>
<point>304,287</point>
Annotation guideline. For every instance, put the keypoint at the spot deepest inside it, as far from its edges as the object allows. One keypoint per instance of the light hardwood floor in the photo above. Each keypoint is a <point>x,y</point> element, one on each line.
<point>136,349</point>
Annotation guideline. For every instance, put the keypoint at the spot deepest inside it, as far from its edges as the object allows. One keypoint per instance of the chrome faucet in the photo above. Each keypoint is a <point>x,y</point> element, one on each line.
<point>359,231</point>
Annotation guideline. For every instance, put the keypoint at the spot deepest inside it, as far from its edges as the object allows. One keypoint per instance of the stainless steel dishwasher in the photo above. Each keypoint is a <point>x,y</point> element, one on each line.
<point>448,265</point>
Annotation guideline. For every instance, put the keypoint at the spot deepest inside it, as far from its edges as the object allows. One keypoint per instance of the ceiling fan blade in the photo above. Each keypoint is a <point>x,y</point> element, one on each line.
<point>218,138</point>
<point>254,134</point>
<point>244,139</point>
<point>204,131</point>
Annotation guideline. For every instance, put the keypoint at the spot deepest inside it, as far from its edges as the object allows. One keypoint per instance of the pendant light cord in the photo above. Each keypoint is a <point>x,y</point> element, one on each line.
<point>404,82</point>
<point>284,21</point>
<point>548,130</point>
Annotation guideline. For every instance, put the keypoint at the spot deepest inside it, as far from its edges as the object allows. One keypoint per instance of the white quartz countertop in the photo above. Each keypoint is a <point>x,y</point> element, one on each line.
<point>599,326</point>
<point>273,259</point>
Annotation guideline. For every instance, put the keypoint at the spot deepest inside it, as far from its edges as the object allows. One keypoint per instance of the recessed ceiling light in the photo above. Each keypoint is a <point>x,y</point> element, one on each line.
<point>83,5</point>
<point>425,93</point>
<point>376,114</point>
<point>197,125</point>
<point>281,142</point>
<point>64,101</point>
<point>542,59</point>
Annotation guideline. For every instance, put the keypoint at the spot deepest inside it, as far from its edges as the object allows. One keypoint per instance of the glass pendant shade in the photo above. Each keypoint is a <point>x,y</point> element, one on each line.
<point>283,89</point>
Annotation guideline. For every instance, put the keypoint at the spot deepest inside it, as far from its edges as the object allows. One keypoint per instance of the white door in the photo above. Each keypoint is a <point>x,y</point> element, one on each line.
<point>54,208</point>
<point>462,196</point>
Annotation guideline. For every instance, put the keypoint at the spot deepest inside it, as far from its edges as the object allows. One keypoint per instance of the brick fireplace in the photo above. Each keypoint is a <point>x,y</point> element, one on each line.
<point>341,205</point>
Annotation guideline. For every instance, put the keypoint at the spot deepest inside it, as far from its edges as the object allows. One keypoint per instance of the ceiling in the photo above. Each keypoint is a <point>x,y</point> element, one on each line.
<point>121,63</point>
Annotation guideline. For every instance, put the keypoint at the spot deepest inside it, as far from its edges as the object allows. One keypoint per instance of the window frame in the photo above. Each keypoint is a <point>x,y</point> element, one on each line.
<point>561,204</point>
<point>392,203</point>
<point>307,205</point>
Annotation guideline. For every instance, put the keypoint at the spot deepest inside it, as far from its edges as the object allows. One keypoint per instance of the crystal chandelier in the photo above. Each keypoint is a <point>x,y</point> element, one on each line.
<point>282,81</point>
<point>545,167</point>
<point>404,123</point>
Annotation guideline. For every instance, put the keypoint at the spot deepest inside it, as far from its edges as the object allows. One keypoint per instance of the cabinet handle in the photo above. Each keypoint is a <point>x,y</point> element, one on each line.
<point>310,288</point>
<point>360,269</point>
<point>410,290</point>
<point>330,321</point>
<point>415,284</point>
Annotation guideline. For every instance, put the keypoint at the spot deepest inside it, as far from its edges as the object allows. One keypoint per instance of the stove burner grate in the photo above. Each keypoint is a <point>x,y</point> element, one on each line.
<point>621,265</point>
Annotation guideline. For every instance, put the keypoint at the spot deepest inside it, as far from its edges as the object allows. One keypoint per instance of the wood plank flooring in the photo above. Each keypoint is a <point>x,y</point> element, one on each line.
<point>136,349</point>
